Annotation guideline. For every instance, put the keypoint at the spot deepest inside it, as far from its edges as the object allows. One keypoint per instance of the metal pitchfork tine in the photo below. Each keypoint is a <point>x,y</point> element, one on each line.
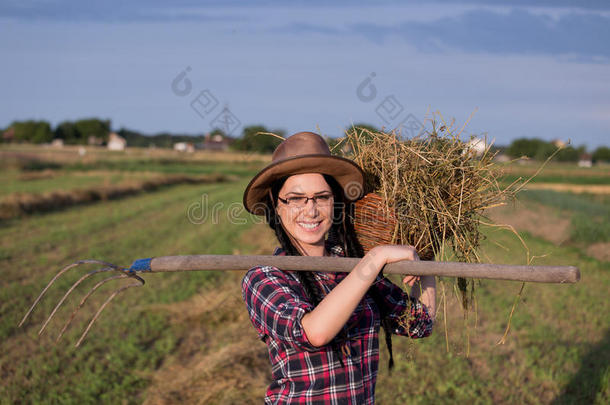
<point>124,273</point>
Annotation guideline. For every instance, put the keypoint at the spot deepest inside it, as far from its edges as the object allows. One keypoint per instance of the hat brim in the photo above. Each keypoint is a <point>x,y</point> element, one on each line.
<point>347,173</point>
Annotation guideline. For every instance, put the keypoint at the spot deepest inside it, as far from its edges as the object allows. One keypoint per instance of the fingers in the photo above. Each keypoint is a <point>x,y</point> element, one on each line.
<point>410,280</point>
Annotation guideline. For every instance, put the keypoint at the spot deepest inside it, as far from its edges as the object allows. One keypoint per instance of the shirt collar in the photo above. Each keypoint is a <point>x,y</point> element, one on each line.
<point>335,249</point>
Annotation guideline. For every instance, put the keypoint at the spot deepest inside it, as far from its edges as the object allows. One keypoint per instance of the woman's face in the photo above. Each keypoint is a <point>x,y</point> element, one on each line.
<point>310,223</point>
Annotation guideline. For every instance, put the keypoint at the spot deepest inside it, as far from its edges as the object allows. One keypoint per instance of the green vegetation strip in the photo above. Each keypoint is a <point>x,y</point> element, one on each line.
<point>170,166</point>
<point>597,180</point>
<point>18,204</point>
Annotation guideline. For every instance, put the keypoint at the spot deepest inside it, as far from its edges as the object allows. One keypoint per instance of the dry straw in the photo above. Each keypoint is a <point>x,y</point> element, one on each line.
<point>428,191</point>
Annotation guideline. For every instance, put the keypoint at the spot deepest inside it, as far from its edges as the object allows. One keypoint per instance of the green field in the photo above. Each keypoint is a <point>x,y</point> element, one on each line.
<point>186,337</point>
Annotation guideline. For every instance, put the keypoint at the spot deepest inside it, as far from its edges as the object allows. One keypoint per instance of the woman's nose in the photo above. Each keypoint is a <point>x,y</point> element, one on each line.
<point>311,207</point>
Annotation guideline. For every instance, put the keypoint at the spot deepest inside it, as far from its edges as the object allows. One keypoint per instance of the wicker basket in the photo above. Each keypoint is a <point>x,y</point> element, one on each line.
<point>375,225</point>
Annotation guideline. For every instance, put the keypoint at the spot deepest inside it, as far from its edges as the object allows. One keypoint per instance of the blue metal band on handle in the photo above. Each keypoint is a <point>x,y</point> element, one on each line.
<point>140,265</point>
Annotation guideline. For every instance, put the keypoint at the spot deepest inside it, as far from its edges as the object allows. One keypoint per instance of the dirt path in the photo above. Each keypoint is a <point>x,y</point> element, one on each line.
<point>544,222</point>
<point>539,220</point>
<point>600,251</point>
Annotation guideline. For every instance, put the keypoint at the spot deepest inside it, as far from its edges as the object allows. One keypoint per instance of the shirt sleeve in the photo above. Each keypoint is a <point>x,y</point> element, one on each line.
<point>275,309</point>
<point>407,316</point>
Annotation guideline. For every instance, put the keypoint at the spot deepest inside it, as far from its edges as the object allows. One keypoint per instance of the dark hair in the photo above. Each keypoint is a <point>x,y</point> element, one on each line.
<point>342,233</point>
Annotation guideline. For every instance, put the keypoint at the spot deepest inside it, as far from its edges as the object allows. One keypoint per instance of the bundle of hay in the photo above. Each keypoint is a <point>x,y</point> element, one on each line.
<point>428,192</point>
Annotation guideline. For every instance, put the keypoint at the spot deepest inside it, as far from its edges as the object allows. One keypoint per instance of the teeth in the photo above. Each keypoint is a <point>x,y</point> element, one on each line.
<point>309,226</point>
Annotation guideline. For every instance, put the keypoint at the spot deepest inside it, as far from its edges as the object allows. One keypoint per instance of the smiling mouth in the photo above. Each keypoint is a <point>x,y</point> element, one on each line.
<point>310,226</point>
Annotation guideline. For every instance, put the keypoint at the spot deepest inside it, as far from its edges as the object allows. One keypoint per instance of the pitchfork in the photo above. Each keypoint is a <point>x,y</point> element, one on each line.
<point>541,274</point>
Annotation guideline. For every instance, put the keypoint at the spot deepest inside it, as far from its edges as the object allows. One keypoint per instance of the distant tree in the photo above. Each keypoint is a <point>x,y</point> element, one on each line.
<point>67,131</point>
<point>365,126</point>
<point>92,127</point>
<point>135,138</point>
<point>167,140</point>
<point>32,131</point>
<point>332,143</point>
<point>499,149</point>
<point>601,154</point>
<point>361,130</point>
<point>163,140</point>
<point>532,148</point>
<point>570,154</point>
<point>262,143</point>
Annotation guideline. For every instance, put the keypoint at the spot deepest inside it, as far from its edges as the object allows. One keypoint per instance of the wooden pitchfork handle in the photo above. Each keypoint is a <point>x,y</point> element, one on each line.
<point>538,274</point>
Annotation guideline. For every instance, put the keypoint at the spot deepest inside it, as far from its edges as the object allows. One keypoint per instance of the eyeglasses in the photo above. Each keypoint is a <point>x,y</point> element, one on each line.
<point>323,200</point>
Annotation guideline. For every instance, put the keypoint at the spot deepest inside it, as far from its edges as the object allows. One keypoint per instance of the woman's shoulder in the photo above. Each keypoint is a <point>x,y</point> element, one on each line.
<point>262,271</point>
<point>262,283</point>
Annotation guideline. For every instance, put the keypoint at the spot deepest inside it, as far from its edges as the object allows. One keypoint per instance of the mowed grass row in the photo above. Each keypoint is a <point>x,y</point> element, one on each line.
<point>109,173</point>
<point>17,181</point>
<point>172,166</point>
<point>28,161</point>
<point>127,342</point>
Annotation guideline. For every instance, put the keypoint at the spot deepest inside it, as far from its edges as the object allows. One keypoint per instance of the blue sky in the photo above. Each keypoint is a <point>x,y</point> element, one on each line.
<point>535,69</point>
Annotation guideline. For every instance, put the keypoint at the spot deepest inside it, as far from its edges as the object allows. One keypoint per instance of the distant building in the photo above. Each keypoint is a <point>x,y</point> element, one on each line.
<point>215,142</point>
<point>585,160</point>
<point>57,143</point>
<point>116,142</point>
<point>187,147</point>
<point>477,146</point>
<point>95,141</point>
<point>8,135</point>
<point>502,158</point>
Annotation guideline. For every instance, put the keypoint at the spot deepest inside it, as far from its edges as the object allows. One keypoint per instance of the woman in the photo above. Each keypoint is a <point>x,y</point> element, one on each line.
<point>321,329</point>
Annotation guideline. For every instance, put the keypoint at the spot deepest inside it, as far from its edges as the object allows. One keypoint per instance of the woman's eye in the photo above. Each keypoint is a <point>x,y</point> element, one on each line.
<point>323,198</point>
<point>296,200</point>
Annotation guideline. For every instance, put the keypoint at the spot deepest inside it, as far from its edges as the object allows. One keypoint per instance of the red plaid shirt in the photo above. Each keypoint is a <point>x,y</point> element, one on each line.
<point>303,373</point>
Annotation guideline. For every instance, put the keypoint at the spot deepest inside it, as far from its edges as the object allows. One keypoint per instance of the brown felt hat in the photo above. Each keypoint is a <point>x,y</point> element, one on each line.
<point>303,152</point>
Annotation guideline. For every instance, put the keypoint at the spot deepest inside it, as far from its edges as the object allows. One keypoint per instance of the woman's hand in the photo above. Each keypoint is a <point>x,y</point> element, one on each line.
<point>395,253</point>
<point>410,280</point>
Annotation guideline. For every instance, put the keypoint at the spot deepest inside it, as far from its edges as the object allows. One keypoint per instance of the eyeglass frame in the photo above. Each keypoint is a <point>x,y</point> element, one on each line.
<point>285,201</point>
